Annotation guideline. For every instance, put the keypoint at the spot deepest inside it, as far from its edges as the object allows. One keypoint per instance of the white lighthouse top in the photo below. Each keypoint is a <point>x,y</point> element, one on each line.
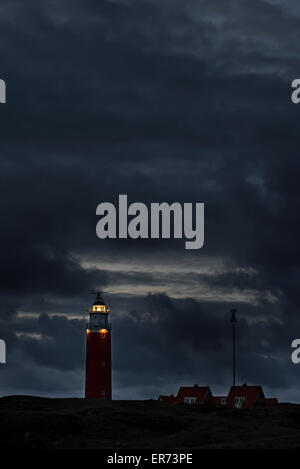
<point>98,315</point>
<point>99,305</point>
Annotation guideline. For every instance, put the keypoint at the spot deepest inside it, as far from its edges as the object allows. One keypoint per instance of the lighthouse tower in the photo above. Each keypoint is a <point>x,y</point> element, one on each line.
<point>98,352</point>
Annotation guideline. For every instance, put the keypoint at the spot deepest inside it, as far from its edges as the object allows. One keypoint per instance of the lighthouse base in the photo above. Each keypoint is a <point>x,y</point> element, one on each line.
<point>98,365</point>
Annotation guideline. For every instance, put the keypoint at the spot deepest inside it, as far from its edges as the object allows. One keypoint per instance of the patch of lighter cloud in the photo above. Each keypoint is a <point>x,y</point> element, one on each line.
<point>30,335</point>
<point>26,315</point>
<point>252,297</point>
<point>148,263</point>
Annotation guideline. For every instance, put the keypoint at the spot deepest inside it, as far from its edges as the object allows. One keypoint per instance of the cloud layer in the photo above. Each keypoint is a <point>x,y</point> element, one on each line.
<point>163,101</point>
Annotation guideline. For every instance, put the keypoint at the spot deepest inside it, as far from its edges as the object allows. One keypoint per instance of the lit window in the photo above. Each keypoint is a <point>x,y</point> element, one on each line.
<point>190,400</point>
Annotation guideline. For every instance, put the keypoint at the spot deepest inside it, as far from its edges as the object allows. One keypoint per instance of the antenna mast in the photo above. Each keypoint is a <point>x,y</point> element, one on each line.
<point>233,321</point>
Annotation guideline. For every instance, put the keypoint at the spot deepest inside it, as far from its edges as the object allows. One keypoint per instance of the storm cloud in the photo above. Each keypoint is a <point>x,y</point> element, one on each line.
<point>163,101</point>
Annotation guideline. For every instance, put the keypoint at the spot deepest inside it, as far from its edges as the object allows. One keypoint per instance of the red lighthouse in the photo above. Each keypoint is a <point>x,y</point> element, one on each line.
<point>98,352</point>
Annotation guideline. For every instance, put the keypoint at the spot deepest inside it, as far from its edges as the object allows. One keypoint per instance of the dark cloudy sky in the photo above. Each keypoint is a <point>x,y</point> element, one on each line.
<point>163,100</point>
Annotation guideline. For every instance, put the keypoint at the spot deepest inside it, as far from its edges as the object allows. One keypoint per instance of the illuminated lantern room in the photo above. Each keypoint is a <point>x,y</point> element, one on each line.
<point>99,306</point>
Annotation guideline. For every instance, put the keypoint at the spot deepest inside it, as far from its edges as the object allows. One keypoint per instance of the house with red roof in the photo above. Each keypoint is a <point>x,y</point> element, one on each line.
<point>194,394</point>
<point>170,399</point>
<point>239,397</point>
<point>219,401</point>
<point>246,397</point>
<point>190,395</point>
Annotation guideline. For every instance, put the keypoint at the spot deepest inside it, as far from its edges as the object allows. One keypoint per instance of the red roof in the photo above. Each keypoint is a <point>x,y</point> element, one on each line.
<point>249,396</point>
<point>201,393</point>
